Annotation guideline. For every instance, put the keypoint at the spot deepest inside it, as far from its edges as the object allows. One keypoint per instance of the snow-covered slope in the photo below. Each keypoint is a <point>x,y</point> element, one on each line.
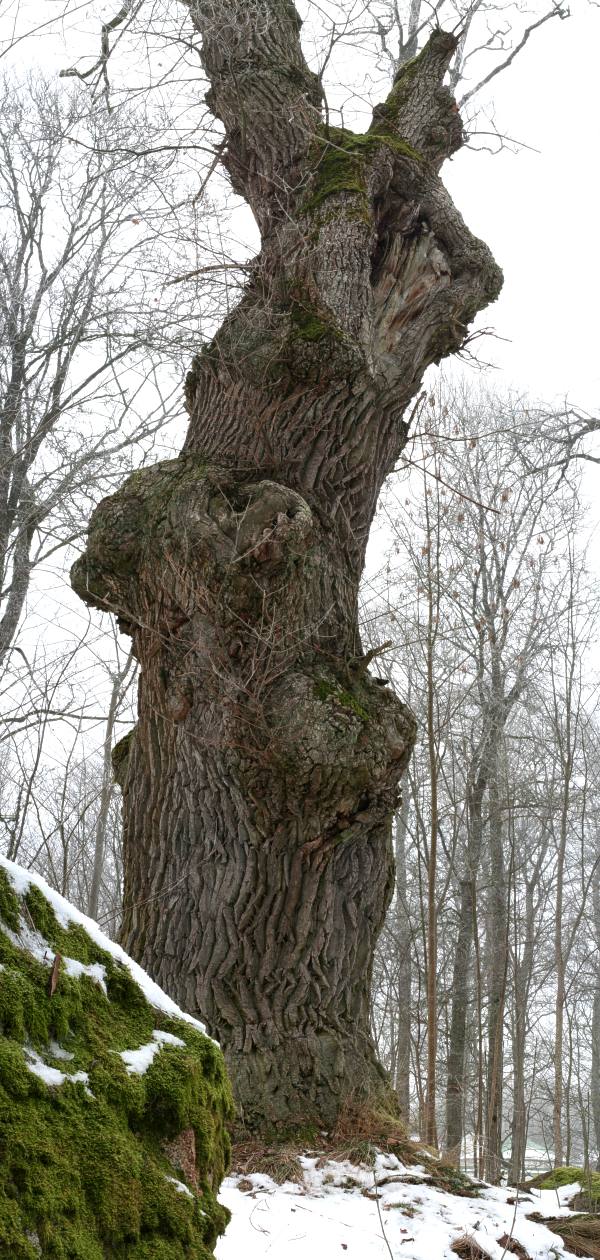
<point>378,1213</point>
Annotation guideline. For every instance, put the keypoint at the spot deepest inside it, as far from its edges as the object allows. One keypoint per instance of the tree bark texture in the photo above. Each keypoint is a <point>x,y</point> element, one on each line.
<point>462,981</point>
<point>261,780</point>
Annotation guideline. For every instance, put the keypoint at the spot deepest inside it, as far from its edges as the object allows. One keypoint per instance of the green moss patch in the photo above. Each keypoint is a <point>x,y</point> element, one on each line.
<point>558,1177</point>
<point>89,1166</point>
<point>342,159</point>
<point>587,1199</point>
<point>326,690</point>
<point>309,325</point>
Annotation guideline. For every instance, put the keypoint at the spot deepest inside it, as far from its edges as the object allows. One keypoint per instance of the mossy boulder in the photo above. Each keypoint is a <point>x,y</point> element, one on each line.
<point>586,1200</point>
<point>113,1103</point>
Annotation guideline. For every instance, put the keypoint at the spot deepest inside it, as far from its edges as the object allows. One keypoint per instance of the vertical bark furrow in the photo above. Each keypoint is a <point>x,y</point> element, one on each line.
<point>264,93</point>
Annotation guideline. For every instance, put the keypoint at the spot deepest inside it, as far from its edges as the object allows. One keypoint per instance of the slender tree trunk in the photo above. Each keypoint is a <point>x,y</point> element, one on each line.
<point>119,680</point>
<point>565,732</point>
<point>559,965</point>
<point>497,971</point>
<point>403,938</point>
<point>263,773</point>
<point>479,1142</point>
<point>595,1076</point>
<point>523,971</point>
<point>461,975</point>
<point>432,943</point>
<point>595,1071</point>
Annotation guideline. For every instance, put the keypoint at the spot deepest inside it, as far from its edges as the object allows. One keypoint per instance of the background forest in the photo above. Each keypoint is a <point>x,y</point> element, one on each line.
<point>486,994</point>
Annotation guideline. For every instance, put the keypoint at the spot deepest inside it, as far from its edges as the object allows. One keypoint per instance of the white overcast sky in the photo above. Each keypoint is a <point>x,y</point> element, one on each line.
<point>539,212</point>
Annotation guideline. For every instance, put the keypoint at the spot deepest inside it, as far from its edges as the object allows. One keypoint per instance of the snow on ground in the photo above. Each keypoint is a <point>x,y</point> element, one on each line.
<point>375,1214</point>
<point>21,881</point>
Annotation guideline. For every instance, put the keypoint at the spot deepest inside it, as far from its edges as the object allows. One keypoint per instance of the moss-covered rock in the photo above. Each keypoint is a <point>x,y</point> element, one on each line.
<point>113,1103</point>
<point>586,1200</point>
<point>555,1178</point>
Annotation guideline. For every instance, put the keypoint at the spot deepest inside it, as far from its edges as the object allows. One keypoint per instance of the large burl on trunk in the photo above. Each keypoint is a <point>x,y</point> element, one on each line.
<point>260,781</point>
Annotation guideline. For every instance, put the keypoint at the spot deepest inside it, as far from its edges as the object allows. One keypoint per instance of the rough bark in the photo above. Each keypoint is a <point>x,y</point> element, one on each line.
<point>261,780</point>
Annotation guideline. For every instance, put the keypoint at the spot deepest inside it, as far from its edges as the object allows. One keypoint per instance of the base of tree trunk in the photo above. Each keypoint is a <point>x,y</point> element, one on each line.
<point>305,1082</point>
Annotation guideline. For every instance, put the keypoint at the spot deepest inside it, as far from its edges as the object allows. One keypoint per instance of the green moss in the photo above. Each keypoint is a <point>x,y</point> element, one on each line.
<point>84,1172</point>
<point>566,1176</point>
<point>561,1177</point>
<point>341,160</point>
<point>309,325</point>
<point>325,689</point>
<point>72,941</point>
<point>386,114</point>
<point>9,903</point>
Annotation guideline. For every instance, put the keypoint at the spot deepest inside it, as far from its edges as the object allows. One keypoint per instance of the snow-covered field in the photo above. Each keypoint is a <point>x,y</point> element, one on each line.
<point>375,1214</point>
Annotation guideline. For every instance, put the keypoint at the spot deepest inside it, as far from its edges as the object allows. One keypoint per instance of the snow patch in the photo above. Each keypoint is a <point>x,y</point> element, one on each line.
<point>58,1052</point>
<point>379,1214</point>
<point>95,971</point>
<point>29,939</point>
<point>180,1187</point>
<point>138,1061</point>
<point>51,1076</point>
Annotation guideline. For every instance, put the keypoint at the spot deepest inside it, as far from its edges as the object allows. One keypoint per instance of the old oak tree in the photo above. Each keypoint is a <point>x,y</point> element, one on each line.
<point>260,781</point>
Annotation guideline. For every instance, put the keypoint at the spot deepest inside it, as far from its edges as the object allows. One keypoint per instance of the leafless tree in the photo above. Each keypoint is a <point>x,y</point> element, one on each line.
<point>91,331</point>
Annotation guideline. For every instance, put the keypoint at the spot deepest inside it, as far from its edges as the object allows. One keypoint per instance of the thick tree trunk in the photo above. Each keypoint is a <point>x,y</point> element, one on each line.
<point>595,1066</point>
<point>261,780</point>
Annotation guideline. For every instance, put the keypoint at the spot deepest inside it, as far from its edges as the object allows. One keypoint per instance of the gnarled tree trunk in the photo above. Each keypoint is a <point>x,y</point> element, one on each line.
<point>261,779</point>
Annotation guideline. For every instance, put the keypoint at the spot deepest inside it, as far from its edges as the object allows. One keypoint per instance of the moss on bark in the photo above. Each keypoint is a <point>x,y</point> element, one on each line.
<point>342,160</point>
<point>89,1163</point>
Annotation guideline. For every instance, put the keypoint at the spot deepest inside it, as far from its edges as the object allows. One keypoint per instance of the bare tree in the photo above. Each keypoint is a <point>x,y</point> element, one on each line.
<point>488,535</point>
<point>90,333</point>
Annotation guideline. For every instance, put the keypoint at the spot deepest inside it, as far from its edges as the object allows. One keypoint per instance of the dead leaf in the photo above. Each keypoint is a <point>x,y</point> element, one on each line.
<point>54,974</point>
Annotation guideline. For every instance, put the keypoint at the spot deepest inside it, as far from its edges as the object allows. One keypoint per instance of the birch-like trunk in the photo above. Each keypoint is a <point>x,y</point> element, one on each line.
<point>262,777</point>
